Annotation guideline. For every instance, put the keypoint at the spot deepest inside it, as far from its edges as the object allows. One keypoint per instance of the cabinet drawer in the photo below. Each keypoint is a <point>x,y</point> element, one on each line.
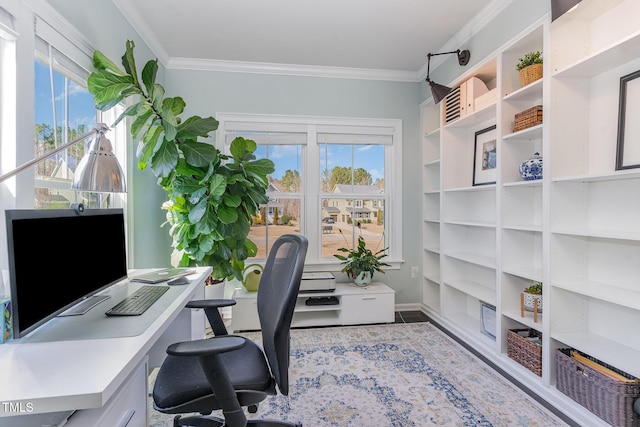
<point>371,308</point>
<point>127,408</point>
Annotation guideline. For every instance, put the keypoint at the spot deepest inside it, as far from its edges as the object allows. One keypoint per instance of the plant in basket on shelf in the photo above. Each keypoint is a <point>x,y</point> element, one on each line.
<point>361,263</point>
<point>530,67</point>
<point>532,293</point>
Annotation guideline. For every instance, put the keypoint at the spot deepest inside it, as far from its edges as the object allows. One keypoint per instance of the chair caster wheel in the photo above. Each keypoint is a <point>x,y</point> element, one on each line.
<point>252,409</point>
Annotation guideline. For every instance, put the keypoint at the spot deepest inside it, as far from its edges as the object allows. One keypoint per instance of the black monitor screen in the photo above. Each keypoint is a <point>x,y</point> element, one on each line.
<point>58,257</point>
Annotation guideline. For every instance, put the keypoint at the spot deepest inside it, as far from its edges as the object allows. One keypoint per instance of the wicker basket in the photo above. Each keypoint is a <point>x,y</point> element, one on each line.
<point>610,399</point>
<point>530,74</point>
<point>523,350</point>
<point>527,118</point>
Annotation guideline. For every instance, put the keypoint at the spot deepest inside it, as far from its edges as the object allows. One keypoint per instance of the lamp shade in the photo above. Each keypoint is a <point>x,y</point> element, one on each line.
<point>439,91</point>
<point>99,170</point>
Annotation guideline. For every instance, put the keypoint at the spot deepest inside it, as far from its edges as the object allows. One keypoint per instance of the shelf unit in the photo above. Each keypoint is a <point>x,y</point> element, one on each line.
<point>577,229</point>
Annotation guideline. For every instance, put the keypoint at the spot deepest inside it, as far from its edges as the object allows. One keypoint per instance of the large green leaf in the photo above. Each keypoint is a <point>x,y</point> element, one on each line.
<point>196,126</point>
<point>140,121</point>
<point>261,167</point>
<point>129,62</point>
<point>232,200</point>
<point>149,73</point>
<point>198,153</point>
<point>165,159</point>
<point>227,215</point>
<point>217,185</point>
<point>174,106</point>
<point>102,62</point>
<point>105,86</point>
<point>240,147</point>
<point>198,211</point>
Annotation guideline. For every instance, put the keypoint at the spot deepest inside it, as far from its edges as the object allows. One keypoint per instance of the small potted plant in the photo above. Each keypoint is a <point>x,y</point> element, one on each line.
<point>530,67</point>
<point>532,293</point>
<point>361,263</point>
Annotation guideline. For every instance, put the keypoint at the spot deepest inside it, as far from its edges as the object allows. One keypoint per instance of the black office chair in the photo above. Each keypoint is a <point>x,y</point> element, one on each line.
<point>230,372</point>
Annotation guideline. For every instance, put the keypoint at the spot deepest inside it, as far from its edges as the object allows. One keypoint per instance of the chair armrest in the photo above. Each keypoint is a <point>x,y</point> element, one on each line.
<point>206,347</point>
<point>211,307</point>
<point>211,303</point>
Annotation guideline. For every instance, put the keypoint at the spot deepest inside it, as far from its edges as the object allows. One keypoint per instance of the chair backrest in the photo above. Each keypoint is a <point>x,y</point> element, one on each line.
<point>277,296</point>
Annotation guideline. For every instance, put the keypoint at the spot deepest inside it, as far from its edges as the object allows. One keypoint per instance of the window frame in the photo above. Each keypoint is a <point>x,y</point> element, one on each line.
<point>311,198</point>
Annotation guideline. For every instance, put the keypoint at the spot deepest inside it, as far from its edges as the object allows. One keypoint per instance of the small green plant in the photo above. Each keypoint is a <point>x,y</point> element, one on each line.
<point>530,58</point>
<point>535,288</point>
<point>361,259</point>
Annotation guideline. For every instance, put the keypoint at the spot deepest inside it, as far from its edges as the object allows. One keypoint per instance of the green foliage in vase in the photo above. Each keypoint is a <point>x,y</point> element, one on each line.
<point>530,58</point>
<point>535,288</point>
<point>211,196</point>
<point>361,259</point>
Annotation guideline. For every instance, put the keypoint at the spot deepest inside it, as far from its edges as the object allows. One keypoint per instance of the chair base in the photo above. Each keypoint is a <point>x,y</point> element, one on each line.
<point>211,421</point>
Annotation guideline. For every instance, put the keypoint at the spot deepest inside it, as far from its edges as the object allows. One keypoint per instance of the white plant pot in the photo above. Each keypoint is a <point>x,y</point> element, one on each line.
<point>528,302</point>
<point>214,291</point>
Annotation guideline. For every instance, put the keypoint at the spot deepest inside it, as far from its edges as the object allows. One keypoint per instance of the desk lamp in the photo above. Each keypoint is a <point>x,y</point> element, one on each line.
<point>440,91</point>
<point>98,170</point>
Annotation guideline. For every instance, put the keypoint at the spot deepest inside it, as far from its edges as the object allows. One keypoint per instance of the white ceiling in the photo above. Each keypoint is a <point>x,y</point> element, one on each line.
<point>385,39</point>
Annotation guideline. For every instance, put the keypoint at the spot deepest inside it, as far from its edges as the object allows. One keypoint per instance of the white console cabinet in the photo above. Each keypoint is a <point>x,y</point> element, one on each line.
<point>355,305</point>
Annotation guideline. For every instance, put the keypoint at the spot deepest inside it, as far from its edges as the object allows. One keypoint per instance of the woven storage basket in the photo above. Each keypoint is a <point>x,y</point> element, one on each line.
<point>524,351</point>
<point>530,74</point>
<point>608,398</point>
<point>527,118</point>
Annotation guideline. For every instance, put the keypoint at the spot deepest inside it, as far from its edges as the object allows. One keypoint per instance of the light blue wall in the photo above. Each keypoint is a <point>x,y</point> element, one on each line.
<point>207,93</point>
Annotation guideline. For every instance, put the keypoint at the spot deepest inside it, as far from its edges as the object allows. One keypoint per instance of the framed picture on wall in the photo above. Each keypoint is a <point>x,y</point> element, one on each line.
<point>485,156</point>
<point>628,152</point>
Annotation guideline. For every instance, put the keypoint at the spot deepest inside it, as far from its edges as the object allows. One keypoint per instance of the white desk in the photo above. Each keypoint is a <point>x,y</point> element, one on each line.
<point>39,376</point>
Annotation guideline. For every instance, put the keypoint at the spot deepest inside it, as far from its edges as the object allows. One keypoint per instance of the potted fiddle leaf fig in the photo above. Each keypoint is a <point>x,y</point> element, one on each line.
<point>211,196</point>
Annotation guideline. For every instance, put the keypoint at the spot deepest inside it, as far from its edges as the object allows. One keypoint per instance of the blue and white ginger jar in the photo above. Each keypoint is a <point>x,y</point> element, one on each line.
<point>532,168</point>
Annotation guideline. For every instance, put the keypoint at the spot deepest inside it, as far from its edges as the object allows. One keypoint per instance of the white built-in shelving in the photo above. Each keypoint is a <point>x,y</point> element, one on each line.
<point>577,230</point>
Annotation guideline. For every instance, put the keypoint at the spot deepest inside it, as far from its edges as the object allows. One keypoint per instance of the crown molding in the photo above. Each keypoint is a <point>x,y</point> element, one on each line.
<point>290,69</point>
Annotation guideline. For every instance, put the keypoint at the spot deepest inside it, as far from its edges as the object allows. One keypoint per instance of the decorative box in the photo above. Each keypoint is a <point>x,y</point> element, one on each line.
<point>525,347</point>
<point>527,118</point>
<point>6,317</point>
<point>602,389</point>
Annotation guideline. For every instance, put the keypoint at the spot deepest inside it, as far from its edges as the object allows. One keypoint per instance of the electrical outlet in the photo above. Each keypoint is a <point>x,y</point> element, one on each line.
<point>414,272</point>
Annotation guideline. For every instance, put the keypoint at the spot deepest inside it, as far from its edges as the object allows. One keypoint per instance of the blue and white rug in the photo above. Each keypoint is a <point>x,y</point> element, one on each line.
<point>393,375</point>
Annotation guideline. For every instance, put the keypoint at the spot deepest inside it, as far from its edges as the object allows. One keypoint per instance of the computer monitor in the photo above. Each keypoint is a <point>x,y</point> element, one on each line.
<point>60,257</point>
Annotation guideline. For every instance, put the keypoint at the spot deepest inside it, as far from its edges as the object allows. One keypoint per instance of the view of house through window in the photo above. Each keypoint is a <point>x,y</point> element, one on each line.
<point>282,214</point>
<point>354,175</point>
<point>331,183</point>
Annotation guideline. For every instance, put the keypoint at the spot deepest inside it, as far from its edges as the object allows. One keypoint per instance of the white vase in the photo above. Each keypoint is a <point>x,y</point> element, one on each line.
<point>362,279</point>
<point>215,291</point>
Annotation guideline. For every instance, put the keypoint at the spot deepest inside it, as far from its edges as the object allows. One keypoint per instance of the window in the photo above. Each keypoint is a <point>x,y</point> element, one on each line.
<point>64,111</point>
<point>333,181</point>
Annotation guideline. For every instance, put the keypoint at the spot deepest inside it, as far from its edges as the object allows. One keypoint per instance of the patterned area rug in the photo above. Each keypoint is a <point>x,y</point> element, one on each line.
<point>393,375</point>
